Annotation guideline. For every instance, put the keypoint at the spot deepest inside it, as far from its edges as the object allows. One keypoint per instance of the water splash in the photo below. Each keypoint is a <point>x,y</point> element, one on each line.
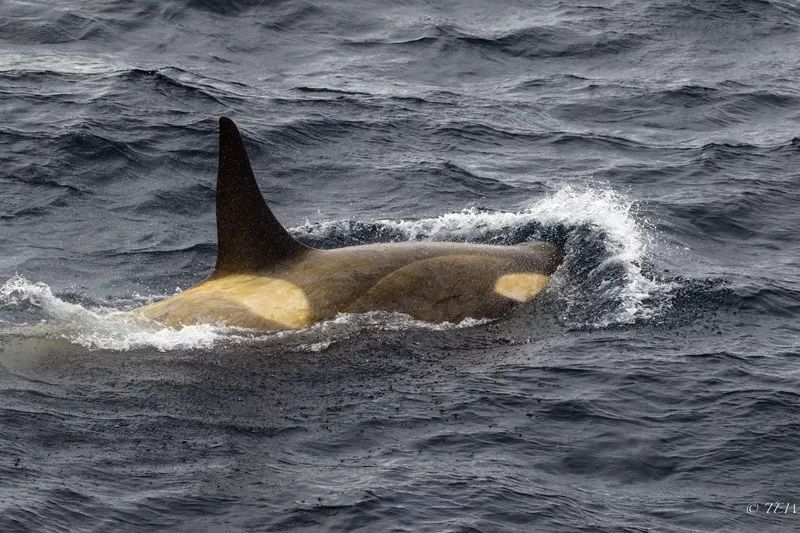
<point>604,280</point>
<point>95,328</point>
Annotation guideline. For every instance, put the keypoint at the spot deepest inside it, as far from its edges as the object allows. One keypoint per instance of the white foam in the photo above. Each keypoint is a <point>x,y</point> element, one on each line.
<point>101,327</point>
<point>604,208</point>
<point>627,241</point>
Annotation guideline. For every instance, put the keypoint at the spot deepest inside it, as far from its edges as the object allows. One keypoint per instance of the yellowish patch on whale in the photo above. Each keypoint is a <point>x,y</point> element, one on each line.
<point>241,300</point>
<point>521,286</point>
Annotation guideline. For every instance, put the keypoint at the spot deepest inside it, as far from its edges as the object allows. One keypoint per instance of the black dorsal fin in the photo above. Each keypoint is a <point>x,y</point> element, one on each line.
<point>249,237</point>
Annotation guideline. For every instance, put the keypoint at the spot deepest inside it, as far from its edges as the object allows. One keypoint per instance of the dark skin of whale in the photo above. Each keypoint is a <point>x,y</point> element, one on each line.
<point>265,279</point>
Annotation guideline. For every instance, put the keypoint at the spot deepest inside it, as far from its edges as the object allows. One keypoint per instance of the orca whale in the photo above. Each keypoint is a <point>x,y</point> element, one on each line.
<point>266,279</point>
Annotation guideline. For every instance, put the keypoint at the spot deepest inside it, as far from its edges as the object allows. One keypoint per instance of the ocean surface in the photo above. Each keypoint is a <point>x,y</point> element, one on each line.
<point>654,387</point>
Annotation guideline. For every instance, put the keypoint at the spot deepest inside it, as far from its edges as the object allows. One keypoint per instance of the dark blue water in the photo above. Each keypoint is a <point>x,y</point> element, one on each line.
<point>654,387</point>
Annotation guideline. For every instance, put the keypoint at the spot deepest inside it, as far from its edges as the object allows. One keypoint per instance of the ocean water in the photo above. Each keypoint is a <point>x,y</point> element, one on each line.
<point>655,386</point>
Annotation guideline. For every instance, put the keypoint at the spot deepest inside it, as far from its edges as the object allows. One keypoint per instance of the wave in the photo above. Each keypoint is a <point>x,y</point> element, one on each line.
<point>535,42</point>
<point>317,131</point>
<point>54,27</point>
<point>447,177</point>
<point>759,16</point>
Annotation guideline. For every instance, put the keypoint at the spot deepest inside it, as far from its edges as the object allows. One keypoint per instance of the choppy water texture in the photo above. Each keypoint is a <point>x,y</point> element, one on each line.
<point>653,388</point>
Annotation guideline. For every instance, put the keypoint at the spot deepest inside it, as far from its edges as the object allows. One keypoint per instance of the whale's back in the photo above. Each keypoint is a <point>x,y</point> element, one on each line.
<point>265,279</point>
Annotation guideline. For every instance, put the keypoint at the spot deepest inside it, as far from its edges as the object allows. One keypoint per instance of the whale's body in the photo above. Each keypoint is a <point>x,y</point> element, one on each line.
<point>265,279</point>
<point>436,282</point>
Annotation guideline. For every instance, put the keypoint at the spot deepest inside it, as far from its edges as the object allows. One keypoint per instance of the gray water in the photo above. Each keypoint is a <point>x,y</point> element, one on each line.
<point>652,388</point>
